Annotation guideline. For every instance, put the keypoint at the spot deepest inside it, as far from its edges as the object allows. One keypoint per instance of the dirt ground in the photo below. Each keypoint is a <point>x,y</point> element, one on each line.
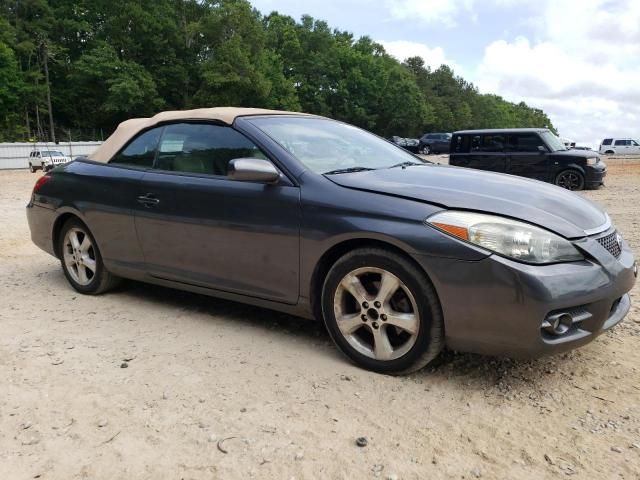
<point>215,389</point>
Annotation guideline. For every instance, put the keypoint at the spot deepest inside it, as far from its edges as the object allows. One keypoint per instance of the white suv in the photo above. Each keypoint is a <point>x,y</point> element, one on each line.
<point>620,146</point>
<point>45,160</point>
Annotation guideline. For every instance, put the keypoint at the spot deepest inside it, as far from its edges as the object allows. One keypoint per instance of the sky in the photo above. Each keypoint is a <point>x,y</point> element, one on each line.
<point>578,60</point>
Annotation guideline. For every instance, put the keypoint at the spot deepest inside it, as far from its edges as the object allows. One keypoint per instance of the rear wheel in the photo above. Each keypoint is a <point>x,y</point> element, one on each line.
<point>382,311</point>
<point>31,169</point>
<point>609,152</point>
<point>81,259</point>
<point>570,179</point>
<point>425,150</point>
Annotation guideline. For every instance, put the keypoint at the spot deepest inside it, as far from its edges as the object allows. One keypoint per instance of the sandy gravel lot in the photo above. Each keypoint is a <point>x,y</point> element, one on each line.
<point>202,370</point>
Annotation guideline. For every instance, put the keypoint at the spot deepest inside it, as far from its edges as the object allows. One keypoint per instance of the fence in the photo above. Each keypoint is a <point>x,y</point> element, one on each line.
<point>16,155</point>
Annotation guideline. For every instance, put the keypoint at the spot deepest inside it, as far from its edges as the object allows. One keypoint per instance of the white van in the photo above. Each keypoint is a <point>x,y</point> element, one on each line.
<point>620,146</point>
<point>45,160</point>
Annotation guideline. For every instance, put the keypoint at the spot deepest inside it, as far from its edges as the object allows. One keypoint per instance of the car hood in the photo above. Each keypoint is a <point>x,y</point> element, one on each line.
<point>548,206</point>
<point>575,153</point>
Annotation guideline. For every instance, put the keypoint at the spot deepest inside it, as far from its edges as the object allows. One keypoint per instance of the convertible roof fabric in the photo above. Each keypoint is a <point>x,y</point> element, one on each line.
<point>130,128</point>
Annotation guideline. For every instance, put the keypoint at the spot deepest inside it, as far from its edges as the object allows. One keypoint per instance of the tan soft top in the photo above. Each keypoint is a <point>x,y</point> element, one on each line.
<point>130,128</point>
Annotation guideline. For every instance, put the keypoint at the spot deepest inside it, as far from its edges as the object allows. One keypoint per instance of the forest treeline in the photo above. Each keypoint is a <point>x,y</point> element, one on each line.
<point>83,66</point>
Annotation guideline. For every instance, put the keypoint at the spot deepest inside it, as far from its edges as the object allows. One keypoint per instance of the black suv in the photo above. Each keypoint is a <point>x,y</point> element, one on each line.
<point>528,152</point>
<point>434,143</point>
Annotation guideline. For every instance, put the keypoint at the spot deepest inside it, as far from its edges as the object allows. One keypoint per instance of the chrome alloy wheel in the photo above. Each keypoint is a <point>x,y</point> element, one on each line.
<point>79,256</point>
<point>376,313</point>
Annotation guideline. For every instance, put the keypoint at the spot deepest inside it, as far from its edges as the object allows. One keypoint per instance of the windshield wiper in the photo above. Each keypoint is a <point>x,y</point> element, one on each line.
<point>408,163</point>
<point>348,170</point>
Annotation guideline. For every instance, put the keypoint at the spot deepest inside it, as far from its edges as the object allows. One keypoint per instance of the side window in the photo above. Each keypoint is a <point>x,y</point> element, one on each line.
<point>203,148</point>
<point>620,143</point>
<point>461,143</point>
<point>141,151</point>
<point>634,143</point>
<point>607,141</point>
<point>488,143</point>
<point>524,142</point>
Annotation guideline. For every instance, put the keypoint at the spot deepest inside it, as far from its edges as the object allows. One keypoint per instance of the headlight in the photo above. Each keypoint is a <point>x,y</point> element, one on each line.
<point>517,240</point>
<point>592,161</point>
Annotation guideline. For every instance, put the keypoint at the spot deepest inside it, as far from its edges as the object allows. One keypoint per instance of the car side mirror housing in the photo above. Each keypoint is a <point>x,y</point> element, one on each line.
<point>542,149</point>
<point>252,170</point>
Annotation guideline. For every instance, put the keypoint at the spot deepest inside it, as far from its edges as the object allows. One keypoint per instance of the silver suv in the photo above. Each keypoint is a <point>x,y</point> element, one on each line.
<point>620,146</point>
<point>45,160</point>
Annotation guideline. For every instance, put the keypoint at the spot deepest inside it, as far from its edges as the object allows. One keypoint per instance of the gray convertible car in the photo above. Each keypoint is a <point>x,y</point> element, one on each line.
<point>321,219</point>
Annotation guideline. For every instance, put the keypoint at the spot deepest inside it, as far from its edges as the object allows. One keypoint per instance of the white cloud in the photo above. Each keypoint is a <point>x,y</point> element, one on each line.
<point>433,57</point>
<point>430,11</point>
<point>583,71</point>
<point>443,12</point>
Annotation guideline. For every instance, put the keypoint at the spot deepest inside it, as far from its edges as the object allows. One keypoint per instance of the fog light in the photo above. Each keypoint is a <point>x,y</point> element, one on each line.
<point>558,324</point>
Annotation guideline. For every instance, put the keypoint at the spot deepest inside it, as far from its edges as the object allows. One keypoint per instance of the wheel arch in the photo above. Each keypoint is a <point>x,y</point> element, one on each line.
<point>331,255</point>
<point>59,223</point>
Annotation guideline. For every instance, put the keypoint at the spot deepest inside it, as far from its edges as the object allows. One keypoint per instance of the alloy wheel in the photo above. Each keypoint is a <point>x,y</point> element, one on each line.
<point>79,256</point>
<point>376,313</point>
<point>570,181</point>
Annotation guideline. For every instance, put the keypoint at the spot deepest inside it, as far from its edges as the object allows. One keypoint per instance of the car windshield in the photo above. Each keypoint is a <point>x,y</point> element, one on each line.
<point>52,153</point>
<point>327,146</point>
<point>553,142</point>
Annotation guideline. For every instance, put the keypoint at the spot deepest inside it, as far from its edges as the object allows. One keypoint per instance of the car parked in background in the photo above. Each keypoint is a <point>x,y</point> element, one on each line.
<point>434,143</point>
<point>410,144</point>
<point>620,146</point>
<point>46,159</point>
<point>528,152</point>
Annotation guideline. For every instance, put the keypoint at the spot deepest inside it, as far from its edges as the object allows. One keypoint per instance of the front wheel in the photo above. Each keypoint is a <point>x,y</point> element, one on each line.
<point>81,259</point>
<point>382,311</point>
<point>570,179</point>
<point>425,150</point>
<point>31,169</point>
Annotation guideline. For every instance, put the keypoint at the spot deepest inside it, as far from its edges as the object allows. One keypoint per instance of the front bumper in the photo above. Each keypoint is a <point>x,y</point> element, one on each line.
<point>594,176</point>
<point>497,306</point>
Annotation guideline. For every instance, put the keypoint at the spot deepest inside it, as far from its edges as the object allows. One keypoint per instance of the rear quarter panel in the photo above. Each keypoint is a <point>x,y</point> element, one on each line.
<point>102,196</point>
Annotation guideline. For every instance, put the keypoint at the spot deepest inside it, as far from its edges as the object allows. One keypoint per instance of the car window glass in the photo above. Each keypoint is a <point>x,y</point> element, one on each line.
<point>461,144</point>
<point>634,143</point>
<point>488,143</point>
<point>203,148</point>
<point>141,151</point>
<point>524,142</point>
<point>619,143</point>
<point>607,141</point>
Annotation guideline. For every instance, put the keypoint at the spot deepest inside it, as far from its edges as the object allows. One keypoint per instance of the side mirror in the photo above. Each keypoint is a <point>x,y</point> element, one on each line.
<point>252,170</point>
<point>542,149</point>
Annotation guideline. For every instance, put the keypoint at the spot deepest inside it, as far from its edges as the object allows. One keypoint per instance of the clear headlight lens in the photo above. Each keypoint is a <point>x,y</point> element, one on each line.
<point>593,160</point>
<point>517,240</point>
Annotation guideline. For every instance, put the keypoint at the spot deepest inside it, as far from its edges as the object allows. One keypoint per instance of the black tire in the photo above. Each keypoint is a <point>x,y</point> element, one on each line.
<point>101,281</point>
<point>570,179</point>
<point>31,169</point>
<point>429,339</point>
<point>425,150</point>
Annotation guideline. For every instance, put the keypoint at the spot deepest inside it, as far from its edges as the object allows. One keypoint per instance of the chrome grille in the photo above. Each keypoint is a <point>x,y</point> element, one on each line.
<point>610,243</point>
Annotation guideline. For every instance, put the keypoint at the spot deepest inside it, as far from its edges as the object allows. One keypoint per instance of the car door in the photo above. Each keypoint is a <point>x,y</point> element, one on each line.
<point>524,157</point>
<point>621,147</point>
<point>197,226</point>
<point>634,147</point>
<point>487,152</point>
<point>443,143</point>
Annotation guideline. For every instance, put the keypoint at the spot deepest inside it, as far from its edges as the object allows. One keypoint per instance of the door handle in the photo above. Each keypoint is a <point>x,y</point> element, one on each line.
<point>148,200</point>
